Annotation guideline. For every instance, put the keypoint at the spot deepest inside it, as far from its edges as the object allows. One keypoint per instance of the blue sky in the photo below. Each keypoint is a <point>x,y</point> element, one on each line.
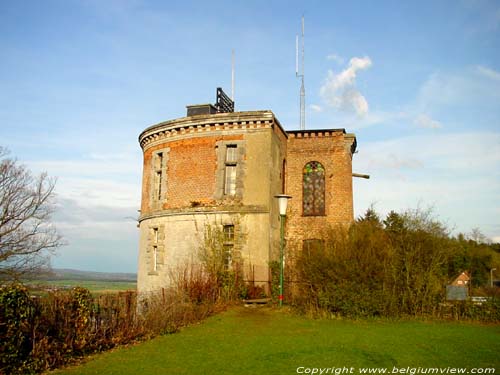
<point>418,82</point>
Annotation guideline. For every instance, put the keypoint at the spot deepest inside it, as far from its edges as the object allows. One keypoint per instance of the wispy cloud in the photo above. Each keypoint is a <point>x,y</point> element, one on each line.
<point>383,118</point>
<point>473,87</point>
<point>487,72</point>
<point>339,90</point>
<point>97,198</point>
<point>424,121</point>
<point>336,58</point>
<point>316,108</point>
<point>393,161</point>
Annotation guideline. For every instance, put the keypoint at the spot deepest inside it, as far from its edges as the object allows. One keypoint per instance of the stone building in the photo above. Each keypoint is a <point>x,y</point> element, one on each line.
<point>223,168</point>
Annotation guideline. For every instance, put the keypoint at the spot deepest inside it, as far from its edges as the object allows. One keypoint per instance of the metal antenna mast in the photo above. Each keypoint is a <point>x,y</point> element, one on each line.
<point>301,76</point>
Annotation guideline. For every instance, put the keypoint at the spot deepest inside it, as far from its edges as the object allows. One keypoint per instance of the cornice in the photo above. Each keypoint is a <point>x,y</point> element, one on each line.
<point>200,125</point>
<point>315,133</point>
<point>215,210</point>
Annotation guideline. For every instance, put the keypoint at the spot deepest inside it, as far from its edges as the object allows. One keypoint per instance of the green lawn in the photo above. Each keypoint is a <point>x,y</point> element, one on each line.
<point>268,341</point>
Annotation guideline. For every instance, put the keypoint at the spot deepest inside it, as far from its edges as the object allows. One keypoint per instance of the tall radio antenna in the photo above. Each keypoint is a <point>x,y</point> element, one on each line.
<point>301,76</point>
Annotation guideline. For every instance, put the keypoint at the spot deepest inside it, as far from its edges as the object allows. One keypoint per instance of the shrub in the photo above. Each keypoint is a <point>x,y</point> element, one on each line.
<point>396,267</point>
<point>46,332</point>
<point>16,314</point>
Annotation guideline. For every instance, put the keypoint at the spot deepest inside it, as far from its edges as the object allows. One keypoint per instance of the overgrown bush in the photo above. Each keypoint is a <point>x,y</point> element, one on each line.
<point>16,315</point>
<point>399,266</point>
<point>274,268</point>
<point>46,332</point>
<point>223,266</point>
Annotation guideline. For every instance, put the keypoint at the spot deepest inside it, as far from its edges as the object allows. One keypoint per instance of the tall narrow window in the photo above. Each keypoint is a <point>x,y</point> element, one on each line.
<point>313,203</point>
<point>155,254</point>
<point>158,165</point>
<point>155,258</point>
<point>228,245</point>
<point>230,170</point>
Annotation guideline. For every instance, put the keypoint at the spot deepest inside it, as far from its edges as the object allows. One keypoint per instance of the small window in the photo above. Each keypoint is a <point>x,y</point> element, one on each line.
<point>229,233</point>
<point>155,236</point>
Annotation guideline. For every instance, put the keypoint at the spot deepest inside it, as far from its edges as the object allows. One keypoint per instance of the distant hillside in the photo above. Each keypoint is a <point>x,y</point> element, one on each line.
<point>69,274</point>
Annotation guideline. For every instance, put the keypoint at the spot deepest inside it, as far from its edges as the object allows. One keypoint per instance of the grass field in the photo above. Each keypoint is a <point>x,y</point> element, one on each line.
<point>95,286</point>
<point>268,341</point>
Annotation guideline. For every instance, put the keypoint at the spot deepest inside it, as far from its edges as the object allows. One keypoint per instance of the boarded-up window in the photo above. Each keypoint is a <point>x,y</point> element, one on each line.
<point>313,203</point>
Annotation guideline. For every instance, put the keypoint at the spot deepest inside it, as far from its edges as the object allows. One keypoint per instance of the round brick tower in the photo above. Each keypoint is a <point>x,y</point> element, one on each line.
<point>218,169</point>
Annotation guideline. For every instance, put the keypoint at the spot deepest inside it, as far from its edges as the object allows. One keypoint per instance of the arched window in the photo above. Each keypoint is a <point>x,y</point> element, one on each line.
<point>313,203</point>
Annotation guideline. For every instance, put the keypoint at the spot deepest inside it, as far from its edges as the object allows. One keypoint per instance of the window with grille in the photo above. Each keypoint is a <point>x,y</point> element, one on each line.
<point>313,203</point>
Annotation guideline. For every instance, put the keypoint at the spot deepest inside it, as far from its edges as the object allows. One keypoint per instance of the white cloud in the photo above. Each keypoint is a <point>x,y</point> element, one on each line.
<point>97,198</point>
<point>466,97</point>
<point>489,73</point>
<point>316,108</point>
<point>339,90</point>
<point>424,121</point>
<point>109,180</point>
<point>333,57</point>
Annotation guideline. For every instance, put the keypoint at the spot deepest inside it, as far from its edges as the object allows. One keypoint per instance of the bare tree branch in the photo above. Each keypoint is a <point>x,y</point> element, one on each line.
<point>27,237</point>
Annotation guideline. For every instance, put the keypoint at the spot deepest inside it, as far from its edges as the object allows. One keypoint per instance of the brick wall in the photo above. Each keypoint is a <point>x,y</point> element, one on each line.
<point>190,172</point>
<point>333,150</point>
<point>194,177</point>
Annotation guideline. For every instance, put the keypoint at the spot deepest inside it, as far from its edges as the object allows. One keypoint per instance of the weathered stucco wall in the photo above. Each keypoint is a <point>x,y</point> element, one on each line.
<point>181,240</point>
